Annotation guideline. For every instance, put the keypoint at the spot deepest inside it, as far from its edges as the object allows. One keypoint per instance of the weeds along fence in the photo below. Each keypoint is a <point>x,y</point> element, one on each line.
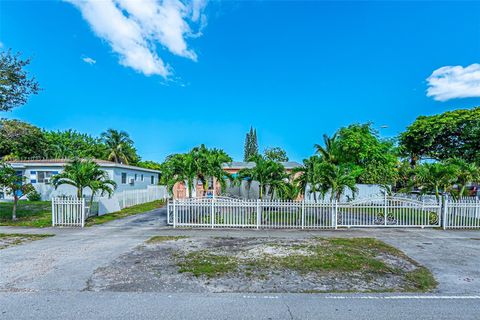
<point>372,212</point>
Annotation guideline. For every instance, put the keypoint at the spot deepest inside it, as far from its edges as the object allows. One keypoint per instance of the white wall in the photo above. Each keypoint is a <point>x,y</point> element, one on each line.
<point>116,173</point>
<point>47,191</point>
<point>364,191</point>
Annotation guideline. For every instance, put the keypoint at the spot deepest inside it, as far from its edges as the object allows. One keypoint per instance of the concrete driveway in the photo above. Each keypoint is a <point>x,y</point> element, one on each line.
<point>63,264</point>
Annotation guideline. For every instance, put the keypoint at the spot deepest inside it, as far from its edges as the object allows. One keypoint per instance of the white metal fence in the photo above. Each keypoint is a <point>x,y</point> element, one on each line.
<point>462,214</point>
<point>68,212</point>
<point>373,212</point>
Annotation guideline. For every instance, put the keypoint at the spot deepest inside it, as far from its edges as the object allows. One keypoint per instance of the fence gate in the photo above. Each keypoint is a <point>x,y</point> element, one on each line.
<point>388,211</point>
<point>68,212</point>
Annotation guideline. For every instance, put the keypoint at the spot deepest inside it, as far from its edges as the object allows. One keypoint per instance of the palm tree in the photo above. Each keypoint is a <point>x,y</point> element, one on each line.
<point>180,167</point>
<point>436,177</point>
<point>309,176</point>
<point>269,174</point>
<point>209,165</point>
<point>119,146</point>
<point>329,152</point>
<point>339,179</point>
<point>84,174</point>
<point>289,190</point>
<point>466,173</point>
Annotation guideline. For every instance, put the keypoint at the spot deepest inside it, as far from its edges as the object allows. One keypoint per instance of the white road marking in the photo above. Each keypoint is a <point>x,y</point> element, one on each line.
<point>404,297</point>
<point>379,297</point>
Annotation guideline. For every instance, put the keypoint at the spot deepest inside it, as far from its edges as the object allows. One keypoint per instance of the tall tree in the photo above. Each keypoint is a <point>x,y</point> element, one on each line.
<point>452,134</point>
<point>20,140</point>
<point>359,147</point>
<point>15,84</point>
<point>119,147</point>
<point>276,154</point>
<point>15,184</point>
<point>69,144</point>
<point>251,145</point>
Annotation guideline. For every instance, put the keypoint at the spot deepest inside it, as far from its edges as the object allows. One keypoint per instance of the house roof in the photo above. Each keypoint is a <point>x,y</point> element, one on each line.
<point>63,162</point>
<point>250,164</point>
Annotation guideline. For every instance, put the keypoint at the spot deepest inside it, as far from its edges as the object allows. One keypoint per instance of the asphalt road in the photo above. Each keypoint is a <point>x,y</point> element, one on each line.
<point>90,305</point>
<point>46,279</point>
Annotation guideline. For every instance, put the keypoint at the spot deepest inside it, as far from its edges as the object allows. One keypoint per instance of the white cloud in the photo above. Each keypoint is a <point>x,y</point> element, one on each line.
<point>89,60</point>
<point>452,82</point>
<point>134,28</point>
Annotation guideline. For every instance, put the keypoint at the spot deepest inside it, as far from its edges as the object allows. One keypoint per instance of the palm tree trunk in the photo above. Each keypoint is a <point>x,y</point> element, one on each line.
<point>79,192</point>
<point>190,187</point>
<point>14,210</point>
<point>462,190</point>
<point>205,187</point>
<point>260,190</point>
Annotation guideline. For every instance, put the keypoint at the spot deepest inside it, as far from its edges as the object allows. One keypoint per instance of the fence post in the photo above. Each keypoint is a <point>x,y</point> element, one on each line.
<point>303,214</point>
<point>83,212</point>
<point>174,214</point>
<point>335,215</point>
<point>445,212</point>
<point>258,213</point>
<point>212,214</point>
<point>53,212</point>
<point>385,214</point>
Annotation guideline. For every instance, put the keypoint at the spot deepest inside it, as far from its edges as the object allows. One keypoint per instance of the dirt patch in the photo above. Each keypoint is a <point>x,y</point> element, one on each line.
<point>263,265</point>
<point>8,240</point>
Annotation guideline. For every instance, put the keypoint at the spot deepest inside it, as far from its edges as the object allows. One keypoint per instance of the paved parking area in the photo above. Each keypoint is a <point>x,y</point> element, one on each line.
<point>66,262</point>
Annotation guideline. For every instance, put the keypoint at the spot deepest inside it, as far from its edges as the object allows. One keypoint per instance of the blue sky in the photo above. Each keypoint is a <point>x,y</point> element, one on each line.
<point>210,70</point>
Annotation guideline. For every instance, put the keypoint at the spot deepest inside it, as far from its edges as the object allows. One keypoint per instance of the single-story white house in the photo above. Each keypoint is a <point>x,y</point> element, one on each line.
<point>40,172</point>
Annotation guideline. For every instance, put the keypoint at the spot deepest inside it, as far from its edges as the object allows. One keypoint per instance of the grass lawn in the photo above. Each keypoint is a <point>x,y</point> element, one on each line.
<point>141,208</point>
<point>13,239</point>
<point>29,214</point>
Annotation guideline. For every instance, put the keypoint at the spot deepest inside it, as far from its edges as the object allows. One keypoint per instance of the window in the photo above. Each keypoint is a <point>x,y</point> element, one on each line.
<point>152,180</point>
<point>124,178</point>
<point>45,176</point>
<point>141,177</point>
<point>135,177</point>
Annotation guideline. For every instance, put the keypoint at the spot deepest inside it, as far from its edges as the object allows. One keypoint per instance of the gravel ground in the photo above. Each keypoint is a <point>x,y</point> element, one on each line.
<point>154,268</point>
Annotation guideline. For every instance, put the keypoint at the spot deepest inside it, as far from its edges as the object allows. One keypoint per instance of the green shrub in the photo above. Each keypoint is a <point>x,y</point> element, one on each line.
<point>34,196</point>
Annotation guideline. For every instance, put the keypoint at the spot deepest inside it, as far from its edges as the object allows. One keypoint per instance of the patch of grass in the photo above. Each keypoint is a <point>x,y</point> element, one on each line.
<point>159,239</point>
<point>29,214</point>
<point>342,255</point>
<point>204,263</point>
<point>12,239</point>
<point>141,208</point>
<point>421,279</point>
